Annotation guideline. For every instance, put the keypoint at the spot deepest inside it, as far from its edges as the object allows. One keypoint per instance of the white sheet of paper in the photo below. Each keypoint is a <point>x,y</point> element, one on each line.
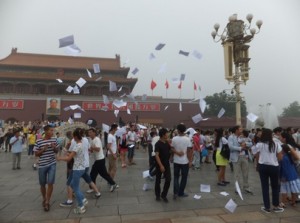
<point>182,77</point>
<point>197,197</point>
<point>141,126</point>
<point>76,90</point>
<point>205,188</point>
<point>146,174</point>
<point>130,146</point>
<point>224,193</point>
<point>146,187</point>
<point>120,89</point>
<point>144,97</point>
<point>112,86</point>
<point>98,79</point>
<point>70,120</point>
<point>59,80</point>
<point>72,50</point>
<point>128,111</point>
<point>202,105</point>
<point>67,108</point>
<point>96,68</point>
<point>77,115</point>
<point>135,71</point>
<point>197,118</point>
<point>175,80</point>
<point>197,54</point>
<point>89,122</point>
<point>238,189</point>
<point>191,132</point>
<point>252,117</point>
<point>89,73</point>
<point>152,56</point>
<point>73,107</point>
<point>105,128</point>
<point>119,103</point>
<point>116,112</point>
<point>221,113</point>
<point>105,99</point>
<point>166,107</point>
<point>80,82</point>
<point>231,206</point>
<point>160,46</point>
<point>69,89</point>
<point>123,95</point>
<point>162,69</point>
<point>180,106</point>
<point>66,41</point>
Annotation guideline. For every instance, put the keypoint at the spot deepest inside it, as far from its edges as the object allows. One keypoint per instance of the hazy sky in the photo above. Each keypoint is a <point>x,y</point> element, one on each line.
<point>132,28</point>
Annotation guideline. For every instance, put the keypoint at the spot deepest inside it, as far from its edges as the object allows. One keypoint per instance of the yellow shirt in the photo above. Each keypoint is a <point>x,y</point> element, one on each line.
<point>31,139</point>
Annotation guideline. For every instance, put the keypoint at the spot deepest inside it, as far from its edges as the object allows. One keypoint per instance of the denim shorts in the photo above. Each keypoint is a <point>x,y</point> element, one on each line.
<point>47,174</point>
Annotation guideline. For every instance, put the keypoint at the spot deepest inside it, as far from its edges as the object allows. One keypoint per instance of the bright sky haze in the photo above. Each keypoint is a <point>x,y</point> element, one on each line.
<point>133,28</point>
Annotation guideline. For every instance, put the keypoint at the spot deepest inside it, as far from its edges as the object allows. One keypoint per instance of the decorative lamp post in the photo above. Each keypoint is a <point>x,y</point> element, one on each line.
<point>234,38</point>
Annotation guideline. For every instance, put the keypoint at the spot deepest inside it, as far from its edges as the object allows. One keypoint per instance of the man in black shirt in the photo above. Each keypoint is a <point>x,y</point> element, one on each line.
<point>162,157</point>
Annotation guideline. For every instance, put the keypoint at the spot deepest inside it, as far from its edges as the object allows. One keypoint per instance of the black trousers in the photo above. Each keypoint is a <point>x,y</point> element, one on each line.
<point>100,168</point>
<point>167,175</point>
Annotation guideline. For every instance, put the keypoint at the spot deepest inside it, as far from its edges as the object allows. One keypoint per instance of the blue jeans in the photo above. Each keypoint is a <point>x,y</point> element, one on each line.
<point>184,169</point>
<point>267,172</point>
<point>77,174</point>
<point>47,174</point>
<point>85,176</point>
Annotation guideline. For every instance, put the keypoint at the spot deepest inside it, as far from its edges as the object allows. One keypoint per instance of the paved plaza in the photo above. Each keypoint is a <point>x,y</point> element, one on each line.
<point>20,199</point>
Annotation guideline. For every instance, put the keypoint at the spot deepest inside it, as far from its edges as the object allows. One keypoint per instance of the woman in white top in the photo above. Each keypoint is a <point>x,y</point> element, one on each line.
<point>78,169</point>
<point>268,153</point>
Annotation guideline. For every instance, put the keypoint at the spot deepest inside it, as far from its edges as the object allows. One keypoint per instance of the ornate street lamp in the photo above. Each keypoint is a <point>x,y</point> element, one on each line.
<point>234,39</point>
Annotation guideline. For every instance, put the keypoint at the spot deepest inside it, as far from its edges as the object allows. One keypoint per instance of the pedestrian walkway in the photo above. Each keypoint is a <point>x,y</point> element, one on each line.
<point>20,199</point>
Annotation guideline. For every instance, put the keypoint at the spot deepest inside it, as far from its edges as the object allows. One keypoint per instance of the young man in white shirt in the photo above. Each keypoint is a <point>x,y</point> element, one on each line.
<point>99,164</point>
<point>112,151</point>
<point>183,154</point>
<point>131,140</point>
<point>16,143</point>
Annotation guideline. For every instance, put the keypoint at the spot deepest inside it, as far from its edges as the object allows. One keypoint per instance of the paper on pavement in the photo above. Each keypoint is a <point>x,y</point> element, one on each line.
<point>231,206</point>
<point>205,188</point>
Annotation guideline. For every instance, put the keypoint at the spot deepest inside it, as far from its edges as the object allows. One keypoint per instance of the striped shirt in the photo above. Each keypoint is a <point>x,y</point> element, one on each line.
<point>48,157</point>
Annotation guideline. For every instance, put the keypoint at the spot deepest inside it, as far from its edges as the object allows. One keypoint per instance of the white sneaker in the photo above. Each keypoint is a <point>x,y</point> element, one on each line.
<point>85,202</point>
<point>113,187</point>
<point>89,191</point>
<point>80,210</point>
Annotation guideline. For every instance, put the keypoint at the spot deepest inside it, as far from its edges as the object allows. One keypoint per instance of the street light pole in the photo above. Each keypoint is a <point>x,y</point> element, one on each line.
<point>234,39</point>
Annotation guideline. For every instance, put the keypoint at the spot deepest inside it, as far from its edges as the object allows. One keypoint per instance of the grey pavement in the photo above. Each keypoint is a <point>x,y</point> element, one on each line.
<point>20,199</point>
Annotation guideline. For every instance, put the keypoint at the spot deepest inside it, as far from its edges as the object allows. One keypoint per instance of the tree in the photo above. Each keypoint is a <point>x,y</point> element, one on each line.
<point>223,100</point>
<point>293,110</point>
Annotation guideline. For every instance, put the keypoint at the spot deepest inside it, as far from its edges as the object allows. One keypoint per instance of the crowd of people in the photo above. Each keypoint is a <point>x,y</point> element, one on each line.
<point>274,152</point>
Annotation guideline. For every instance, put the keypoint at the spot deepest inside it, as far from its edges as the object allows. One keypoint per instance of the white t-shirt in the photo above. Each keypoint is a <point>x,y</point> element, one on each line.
<point>265,157</point>
<point>112,139</point>
<point>96,142</point>
<point>131,137</point>
<point>79,159</point>
<point>86,146</point>
<point>181,144</point>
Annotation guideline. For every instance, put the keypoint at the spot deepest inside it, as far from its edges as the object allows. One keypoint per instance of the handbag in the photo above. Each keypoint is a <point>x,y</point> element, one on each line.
<point>225,151</point>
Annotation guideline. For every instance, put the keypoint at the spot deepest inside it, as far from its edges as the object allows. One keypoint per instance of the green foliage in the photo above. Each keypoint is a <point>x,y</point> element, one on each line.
<point>223,100</point>
<point>293,110</point>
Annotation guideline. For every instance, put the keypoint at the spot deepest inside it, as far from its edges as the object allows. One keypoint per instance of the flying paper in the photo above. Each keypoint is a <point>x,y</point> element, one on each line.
<point>160,46</point>
<point>202,104</point>
<point>96,68</point>
<point>89,122</point>
<point>116,112</point>
<point>76,90</point>
<point>151,56</point>
<point>166,107</point>
<point>252,117</point>
<point>197,118</point>
<point>66,41</point>
<point>180,106</point>
<point>128,111</point>
<point>184,53</point>
<point>182,77</point>
<point>112,86</point>
<point>105,128</point>
<point>238,189</point>
<point>80,82</point>
<point>99,78</point>
<point>135,71</point>
<point>89,73</point>
<point>131,96</point>
<point>70,120</point>
<point>105,99</point>
<point>120,89</point>
<point>77,115</point>
<point>191,132</point>
<point>72,50</point>
<point>221,112</point>
<point>69,89</point>
<point>119,103</point>
<point>59,80</point>
<point>197,54</point>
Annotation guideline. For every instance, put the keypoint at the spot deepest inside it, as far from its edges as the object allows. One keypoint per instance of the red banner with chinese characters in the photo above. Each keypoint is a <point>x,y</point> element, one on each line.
<point>11,104</point>
<point>92,105</point>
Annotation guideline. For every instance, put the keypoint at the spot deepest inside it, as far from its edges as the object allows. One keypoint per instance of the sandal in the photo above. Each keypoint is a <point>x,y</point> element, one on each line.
<point>43,203</point>
<point>47,207</point>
